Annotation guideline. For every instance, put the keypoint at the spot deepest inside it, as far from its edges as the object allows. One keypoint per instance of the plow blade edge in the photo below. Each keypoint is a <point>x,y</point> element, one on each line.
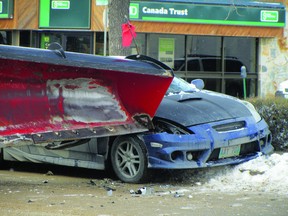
<point>48,95</point>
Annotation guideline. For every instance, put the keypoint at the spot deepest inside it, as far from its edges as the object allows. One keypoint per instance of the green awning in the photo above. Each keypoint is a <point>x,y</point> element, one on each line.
<point>224,12</point>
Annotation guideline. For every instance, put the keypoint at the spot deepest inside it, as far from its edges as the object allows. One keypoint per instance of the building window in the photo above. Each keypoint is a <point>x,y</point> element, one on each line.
<point>6,37</point>
<point>25,38</point>
<point>70,41</point>
<point>216,60</point>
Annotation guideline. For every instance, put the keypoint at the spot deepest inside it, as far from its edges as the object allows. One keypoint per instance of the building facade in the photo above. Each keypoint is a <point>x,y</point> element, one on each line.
<point>238,48</point>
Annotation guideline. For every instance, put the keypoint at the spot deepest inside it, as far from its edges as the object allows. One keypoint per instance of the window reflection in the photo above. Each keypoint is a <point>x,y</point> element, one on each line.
<point>216,60</point>
<point>73,42</point>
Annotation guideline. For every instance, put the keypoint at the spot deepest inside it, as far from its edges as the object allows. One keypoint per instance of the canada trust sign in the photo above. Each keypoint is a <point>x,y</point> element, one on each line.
<point>251,13</point>
<point>162,10</point>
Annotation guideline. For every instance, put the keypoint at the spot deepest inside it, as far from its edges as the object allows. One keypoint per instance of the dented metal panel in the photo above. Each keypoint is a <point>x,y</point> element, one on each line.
<point>45,96</point>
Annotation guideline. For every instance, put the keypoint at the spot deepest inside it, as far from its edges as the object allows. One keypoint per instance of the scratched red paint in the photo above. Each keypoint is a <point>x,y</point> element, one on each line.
<point>25,107</point>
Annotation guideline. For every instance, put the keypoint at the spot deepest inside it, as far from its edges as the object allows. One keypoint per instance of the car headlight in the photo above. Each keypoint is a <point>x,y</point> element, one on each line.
<point>165,126</point>
<point>252,110</point>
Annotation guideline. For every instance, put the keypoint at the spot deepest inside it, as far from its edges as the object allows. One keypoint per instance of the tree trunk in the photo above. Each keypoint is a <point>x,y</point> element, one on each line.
<point>118,9</point>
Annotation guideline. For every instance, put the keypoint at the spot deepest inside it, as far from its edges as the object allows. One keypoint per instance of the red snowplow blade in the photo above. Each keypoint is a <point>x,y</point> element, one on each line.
<point>49,95</point>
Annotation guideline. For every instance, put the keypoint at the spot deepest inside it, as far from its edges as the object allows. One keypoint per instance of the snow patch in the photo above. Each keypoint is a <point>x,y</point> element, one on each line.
<point>263,174</point>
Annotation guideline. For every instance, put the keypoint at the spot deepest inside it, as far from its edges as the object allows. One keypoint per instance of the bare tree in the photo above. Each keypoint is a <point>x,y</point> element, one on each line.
<point>118,10</point>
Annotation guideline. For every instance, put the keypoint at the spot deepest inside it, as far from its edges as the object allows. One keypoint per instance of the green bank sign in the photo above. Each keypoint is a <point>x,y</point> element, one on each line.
<point>6,9</point>
<point>269,16</point>
<point>65,14</point>
<point>65,5</point>
<point>219,14</point>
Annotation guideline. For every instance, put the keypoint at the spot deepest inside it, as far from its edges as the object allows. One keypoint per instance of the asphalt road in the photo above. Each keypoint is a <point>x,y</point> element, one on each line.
<point>28,189</point>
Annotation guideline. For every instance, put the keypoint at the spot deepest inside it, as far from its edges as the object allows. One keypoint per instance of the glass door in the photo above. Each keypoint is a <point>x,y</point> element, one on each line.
<point>70,41</point>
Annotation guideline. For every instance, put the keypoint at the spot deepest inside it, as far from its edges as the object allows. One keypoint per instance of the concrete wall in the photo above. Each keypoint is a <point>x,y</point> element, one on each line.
<point>273,62</point>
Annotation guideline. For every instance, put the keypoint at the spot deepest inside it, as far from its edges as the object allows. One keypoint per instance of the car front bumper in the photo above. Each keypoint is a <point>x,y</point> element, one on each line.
<point>205,147</point>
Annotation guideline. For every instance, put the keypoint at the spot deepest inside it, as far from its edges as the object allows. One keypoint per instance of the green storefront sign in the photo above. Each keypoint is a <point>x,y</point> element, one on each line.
<point>65,14</point>
<point>61,5</point>
<point>269,16</point>
<point>6,9</point>
<point>261,14</point>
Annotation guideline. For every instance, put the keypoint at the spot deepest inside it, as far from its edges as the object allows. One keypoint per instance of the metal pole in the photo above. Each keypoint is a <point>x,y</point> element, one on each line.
<point>244,87</point>
<point>105,29</point>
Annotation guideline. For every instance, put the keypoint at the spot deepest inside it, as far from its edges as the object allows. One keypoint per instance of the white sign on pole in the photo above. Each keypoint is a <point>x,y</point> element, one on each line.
<point>101,2</point>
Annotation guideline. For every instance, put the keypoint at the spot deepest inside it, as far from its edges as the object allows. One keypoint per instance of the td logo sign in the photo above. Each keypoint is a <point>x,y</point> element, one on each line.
<point>134,11</point>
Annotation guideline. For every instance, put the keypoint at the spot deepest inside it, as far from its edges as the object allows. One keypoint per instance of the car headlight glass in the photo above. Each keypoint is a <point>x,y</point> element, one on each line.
<point>253,111</point>
<point>162,125</point>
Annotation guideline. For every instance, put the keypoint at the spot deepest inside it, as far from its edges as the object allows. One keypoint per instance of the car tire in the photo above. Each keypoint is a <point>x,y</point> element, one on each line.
<point>129,159</point>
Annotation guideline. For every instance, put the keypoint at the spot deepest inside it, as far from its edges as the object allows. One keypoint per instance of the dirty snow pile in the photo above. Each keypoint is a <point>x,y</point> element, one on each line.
<point>263,174</point>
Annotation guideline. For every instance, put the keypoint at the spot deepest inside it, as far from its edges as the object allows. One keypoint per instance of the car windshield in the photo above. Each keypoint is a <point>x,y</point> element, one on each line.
<point>179,85</point>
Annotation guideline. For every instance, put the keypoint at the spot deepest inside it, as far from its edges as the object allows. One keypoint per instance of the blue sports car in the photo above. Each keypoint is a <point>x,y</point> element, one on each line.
<point>193,128</point>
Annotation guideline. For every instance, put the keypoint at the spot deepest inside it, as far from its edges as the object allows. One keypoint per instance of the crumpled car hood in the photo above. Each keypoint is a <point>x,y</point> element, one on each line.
<point>200,107</point>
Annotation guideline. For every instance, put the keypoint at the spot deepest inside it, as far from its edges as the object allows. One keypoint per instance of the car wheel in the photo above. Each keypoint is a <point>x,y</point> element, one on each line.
<point>129,159</point>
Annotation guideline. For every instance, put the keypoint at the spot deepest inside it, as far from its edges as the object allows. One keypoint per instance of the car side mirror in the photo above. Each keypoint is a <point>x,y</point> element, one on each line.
<point>199,83</point>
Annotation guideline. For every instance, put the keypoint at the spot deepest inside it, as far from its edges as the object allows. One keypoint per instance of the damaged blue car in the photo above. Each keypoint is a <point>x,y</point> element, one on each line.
<point>198,128</point>
<point>193,128</point>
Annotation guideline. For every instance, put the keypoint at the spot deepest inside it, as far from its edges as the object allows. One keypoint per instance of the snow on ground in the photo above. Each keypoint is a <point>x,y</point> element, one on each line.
<point>263,174</point>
